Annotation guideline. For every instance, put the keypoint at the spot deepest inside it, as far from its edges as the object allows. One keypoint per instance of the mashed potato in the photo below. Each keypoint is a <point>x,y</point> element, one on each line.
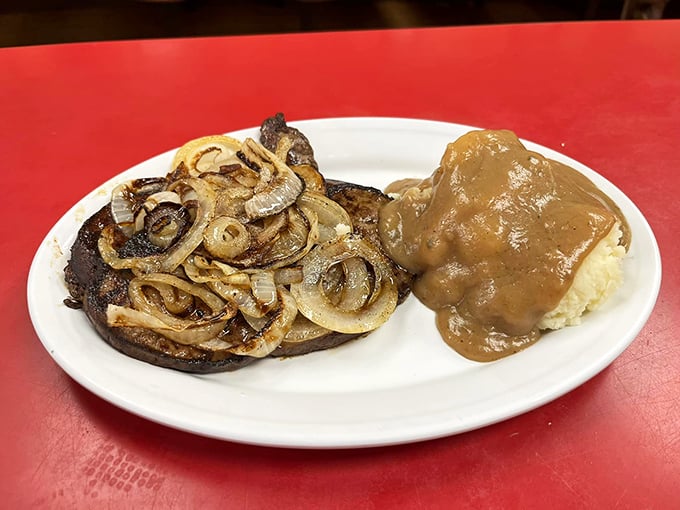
<point>504,243</point>
<point>600,274</point>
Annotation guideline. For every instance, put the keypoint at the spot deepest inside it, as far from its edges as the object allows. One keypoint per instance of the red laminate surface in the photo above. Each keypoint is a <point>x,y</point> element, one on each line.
<point>71,116</point>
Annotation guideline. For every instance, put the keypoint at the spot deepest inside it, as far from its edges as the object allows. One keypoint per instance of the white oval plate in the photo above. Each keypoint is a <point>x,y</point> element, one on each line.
<point>399,384</point>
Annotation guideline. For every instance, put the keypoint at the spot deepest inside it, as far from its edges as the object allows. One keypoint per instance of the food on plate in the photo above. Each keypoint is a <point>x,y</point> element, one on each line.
<point>244,250</point>
<point>241,251</point>
<point>504,243</point>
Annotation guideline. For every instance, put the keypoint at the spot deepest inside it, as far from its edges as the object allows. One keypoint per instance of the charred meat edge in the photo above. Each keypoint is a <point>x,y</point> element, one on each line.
<point>301,151</point>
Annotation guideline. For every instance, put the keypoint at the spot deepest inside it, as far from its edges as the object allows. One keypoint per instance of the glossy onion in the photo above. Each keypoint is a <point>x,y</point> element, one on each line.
<point>241,232</point>
<point>226,238</point>
<point>184,312</point>
<point>279,186</point>
<point>270,336</point>
<point>364,314</point>
<point>178,252</point>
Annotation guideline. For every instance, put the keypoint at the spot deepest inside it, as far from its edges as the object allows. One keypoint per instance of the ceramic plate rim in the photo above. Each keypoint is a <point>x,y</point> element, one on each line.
<point>265,429</point>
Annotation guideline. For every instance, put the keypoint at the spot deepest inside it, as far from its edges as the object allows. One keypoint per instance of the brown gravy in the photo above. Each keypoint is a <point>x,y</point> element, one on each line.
<point>495,236</point>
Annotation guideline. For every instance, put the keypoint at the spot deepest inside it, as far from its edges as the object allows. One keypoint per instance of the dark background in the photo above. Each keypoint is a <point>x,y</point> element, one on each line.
<point>42,21</point>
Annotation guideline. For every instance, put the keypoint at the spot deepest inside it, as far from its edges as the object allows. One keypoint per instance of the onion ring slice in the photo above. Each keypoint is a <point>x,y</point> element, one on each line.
<point>313,303</point>
<point>207,154</point>
<point>272,334</point>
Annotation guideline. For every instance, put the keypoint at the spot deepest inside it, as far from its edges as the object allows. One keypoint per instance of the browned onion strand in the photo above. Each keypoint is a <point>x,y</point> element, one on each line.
<point>314,304</point>
<point>332,283</point>
<point>122,208</point>
<point>166,223</point>
<point>122,316</point>
<point>176,301</point>
<point>205,211</point>
<point>241,297</point>
<point>267,229</point>
<point>279,186</point>
<point>264,288</point>
<point>129,199</point>
<point>243,235</point>
<point>288,275</point>
<point>357,288</point>
<point>283,147</point>
<point>303,330</point>
<point>163,284</point>
<point>226,238</point>
<point>270,336</point>
<point>331,216</point>
<point>153,201</point>
<point>312,178</point>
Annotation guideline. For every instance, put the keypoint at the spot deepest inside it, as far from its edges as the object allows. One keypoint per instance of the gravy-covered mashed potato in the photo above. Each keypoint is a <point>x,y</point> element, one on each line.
<point>505,243</point>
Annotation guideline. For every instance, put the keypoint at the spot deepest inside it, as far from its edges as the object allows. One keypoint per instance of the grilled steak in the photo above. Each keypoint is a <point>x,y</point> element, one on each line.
<point>94,285</point>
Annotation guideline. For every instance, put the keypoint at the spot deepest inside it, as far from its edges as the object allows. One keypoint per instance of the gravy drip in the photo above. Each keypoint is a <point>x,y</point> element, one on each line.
<point>495,236</point>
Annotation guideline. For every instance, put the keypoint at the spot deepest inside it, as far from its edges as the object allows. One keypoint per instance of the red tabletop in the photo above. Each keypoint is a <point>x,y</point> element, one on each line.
<point>72,116</point>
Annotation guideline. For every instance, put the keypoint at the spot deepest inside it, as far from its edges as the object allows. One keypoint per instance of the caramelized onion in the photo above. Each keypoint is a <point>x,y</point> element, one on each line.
<point>215,344</point>
<point>241,297</point>
<point>122,316</point>
<point>267,229</point>
<point>141,301</point>
<point>310,176</point>
<point>207,154</point>
<point>166,223</point>
<point>314,304</point>
<point>303,330</point>
<point>288,275</point>
<point>161,197</point>
<point>226,238</point>
<point>236,227</point>
<point>289,245</point>
<point>294,241</point>
<point>263,288</point>
<point>151,203</point>
<point>146,186</point>
<point>109,254</point>
<point>356,289</point>
<point>270,336</point>
<point>202,314</point>
<point>127,199</point>
<point>231,202</point>
<point>279,187</point>
<point>175,255</point>
<point>226,282</point>
<point>175,300</point>
<point>122,205</point>
<point>199,270</point>
<point>331,215</point>
<point>283,146</point>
